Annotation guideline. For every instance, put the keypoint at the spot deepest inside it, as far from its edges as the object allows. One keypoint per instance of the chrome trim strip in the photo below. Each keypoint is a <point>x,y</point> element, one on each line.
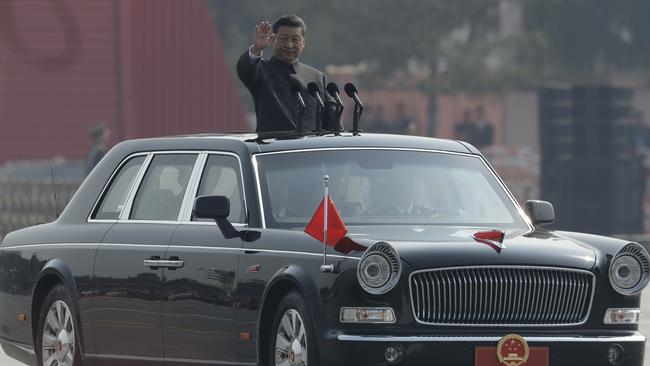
<point>509,194</point>
<point>588,313</point>
<point>637,337</point>
<point>133,245</point>
<point>299,253</point>
<point>167,359</point>
<point>211,223</point>
<point>165,222</point>
<point>100,221</point>
<point>363,148</point>
<point>180,247</point>
<point>126,211</point>
<point>160,222</point>
<point>192,186</point>
<point>51,245</point>
<point>259,191</point>
<point>110,180</point>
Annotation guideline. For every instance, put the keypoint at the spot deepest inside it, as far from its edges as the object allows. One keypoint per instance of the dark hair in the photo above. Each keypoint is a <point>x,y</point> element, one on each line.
<point>291,20</point>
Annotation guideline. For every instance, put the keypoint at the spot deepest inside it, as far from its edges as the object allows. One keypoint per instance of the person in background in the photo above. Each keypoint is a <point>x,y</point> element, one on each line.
<point>100,135</point>
<point>483,130</point>
<point>406,124</point>
<point>464,129</point>
<point>269,82</point>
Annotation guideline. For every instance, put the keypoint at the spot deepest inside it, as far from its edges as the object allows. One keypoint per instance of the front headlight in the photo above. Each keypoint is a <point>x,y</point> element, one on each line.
<point>379,269</point>
<point>630,269</point>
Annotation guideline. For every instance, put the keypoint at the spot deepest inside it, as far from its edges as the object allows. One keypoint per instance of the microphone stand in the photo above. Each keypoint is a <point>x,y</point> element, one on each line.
<point>339,112</point>
<point>319,119</point>
<point>314,90</point>
<point>301,112</point>
<point>356,117</point>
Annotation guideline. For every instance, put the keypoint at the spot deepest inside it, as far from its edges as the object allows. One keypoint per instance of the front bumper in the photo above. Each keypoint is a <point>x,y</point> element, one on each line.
<point>343,349</point>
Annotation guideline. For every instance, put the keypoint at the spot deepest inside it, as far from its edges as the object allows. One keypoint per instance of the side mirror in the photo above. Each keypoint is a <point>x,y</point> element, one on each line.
<point>218,209</point>
<point>540,212</point>
<point>212,207</point>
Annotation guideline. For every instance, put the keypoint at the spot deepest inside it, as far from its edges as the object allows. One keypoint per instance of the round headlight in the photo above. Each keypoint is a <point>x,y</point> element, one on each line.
<point>630,269</point>
<point>379,269</point>
<point>375,270</point>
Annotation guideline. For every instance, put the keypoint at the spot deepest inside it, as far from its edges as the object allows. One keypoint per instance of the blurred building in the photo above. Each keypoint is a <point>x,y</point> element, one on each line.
<point>142,67</point>
<point>590,168</point>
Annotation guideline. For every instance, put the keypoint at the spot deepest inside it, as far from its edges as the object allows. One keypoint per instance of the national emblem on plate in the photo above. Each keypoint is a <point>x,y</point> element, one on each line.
<point>512,350</point>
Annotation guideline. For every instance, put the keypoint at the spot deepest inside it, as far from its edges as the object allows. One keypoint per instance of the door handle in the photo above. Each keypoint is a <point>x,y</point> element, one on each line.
<point>153,262</point>
<point>172,264</point>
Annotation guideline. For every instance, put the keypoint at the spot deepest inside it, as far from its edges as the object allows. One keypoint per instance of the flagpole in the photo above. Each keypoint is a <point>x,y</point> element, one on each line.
<point>326,194</point>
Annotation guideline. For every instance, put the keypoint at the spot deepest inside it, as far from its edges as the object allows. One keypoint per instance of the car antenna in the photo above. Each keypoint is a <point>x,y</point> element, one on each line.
<point>56,206</point>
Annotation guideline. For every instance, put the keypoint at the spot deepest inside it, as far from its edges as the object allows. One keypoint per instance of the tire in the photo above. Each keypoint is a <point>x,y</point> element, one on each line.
<point>293,312</point>
<point>57,324</point>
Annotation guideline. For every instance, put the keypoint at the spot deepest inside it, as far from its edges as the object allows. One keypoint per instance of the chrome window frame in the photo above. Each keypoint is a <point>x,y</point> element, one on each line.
<point>126,213</point>
<point>185,212</point>
<point>509,194</point>
<point>100,198</point>
<point>186,217</point>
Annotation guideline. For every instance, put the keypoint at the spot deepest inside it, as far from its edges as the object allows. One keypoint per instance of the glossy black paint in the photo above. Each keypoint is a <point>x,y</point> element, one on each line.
<point>130,313</point>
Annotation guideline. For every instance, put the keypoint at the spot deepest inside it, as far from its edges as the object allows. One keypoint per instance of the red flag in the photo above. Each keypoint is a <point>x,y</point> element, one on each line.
<point>336,229</point>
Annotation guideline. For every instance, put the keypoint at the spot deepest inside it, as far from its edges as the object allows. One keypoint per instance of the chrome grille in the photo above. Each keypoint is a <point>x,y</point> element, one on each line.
<point>502,295</point>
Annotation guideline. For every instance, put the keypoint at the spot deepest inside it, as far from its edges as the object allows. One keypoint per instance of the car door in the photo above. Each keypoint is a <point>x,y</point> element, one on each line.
<point>129,265</point>
<point>199,319</point>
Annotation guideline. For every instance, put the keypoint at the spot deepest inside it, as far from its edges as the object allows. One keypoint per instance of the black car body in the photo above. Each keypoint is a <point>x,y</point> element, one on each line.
<point>147,282</point>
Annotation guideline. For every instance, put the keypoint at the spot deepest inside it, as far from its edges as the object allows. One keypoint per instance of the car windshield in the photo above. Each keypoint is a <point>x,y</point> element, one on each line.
<point>385,187</point>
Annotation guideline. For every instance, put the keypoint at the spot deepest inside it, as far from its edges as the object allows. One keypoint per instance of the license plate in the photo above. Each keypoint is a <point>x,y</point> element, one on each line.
<point>487,356</point>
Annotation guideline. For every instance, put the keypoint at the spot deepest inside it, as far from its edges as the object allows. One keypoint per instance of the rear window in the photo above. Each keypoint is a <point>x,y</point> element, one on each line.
<point>115,197</point>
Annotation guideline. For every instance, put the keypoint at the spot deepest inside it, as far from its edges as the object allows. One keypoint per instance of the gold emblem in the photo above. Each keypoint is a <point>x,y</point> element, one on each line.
<point>512,350</point>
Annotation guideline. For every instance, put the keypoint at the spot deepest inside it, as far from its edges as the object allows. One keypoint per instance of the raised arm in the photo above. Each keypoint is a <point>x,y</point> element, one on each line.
<point>247,64</point>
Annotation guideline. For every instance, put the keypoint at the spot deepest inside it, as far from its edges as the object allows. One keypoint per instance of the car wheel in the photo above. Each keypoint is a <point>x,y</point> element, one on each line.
<point>57,338</point>
<point>293,342</point>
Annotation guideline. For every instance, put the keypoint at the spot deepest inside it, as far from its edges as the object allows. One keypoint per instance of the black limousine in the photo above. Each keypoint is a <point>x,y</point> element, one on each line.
<point>192,250</point>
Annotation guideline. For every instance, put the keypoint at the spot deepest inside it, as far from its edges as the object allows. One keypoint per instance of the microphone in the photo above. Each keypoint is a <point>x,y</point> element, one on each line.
<point>296,89</point>
<point>333,91</point>
<point>314,90</point>
<point>351,91</point>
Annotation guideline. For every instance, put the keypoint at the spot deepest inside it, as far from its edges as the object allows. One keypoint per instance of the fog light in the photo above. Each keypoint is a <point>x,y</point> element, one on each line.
<point>367,315</point>
<point>622,316</point>
<point>394,354</point>
<point>615,354</point>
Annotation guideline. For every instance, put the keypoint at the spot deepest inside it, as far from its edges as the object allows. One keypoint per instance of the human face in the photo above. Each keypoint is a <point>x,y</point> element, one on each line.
<point>288,43</point>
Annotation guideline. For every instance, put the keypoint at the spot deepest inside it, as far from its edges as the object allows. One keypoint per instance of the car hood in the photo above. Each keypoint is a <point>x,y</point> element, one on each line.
<point>450,247</point>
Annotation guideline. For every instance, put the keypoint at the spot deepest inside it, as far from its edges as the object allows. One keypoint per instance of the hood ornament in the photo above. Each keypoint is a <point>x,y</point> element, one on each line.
<point>492,238</point>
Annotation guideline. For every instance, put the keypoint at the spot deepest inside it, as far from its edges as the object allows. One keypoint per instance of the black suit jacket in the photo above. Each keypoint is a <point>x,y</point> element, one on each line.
<point>276,107</point>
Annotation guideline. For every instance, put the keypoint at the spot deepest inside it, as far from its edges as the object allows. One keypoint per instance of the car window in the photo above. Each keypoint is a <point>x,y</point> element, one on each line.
<point>115,197</point>
<point>162,190</point>
<point>221,178</point>
<point>383,187</point>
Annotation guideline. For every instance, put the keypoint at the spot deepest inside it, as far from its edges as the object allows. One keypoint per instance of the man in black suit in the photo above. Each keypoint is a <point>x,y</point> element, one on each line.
<point>268,81</point>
